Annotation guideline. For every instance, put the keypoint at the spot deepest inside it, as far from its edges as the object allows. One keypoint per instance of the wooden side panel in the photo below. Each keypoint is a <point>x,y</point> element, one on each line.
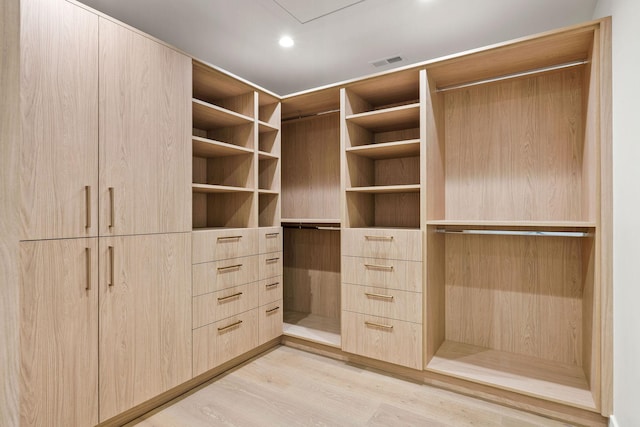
<point>59,111</point>
<point>145,134</point>
<point>145,318</point>
<point>270,321</point>
<point>59,332</point>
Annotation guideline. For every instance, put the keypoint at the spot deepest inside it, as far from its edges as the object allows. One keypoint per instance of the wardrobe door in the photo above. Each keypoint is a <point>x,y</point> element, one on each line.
<point>145,318</point>
<point>145,134</point>
<point>59,114</point>
<point>59,332</point>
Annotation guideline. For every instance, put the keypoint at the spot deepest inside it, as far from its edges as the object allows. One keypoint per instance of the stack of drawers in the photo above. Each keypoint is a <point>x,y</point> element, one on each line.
<point>382,295</point>
<point>237,293</point>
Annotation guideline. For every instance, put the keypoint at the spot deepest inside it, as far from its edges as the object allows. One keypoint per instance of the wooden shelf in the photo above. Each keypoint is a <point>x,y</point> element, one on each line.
<point>217,189</point>
<point>386,189</point>
<point>404,116</point>
<point>264,127</point>
<point>204,147</point>
<point>312,327</point>
<point>507,224</point>
<point>546,379</point>
<point>208,116</point>
<point>388,150</point>
<point>332,221</point>
<point>271,192</point>
<point>263,155</point>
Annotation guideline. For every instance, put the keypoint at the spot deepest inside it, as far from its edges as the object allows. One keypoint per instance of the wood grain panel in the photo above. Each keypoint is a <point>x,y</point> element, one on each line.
<point>312,272</point>
<point>213,245</point>
<point>382,302</point>
<point>270,265</point>
<point>397,210</point>
<point>59,332</point>
<point>521,295</point>
<point>434,291</point>
<point>145,134</point>
<point>145,318</point>
<point>59,112</point>
<point>232,210</point>
<point>514,149</point>
<point>270,240</point>
<point>270,290</point>
<point>217,275</point>
<point>382,243</point>
<point>383,273</point>
<point>214,306</point>
<point>268,210</point>
<point>270,321</point>
<point>236,171</point>
<point>311,168</point>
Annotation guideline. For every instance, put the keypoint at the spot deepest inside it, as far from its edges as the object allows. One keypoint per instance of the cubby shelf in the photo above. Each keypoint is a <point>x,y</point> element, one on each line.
<point>217,189</point>
<point>387,150</point>
<point>388,118</point>
<point>263,155</point>
<point>204,147</point>
<point>386,189</point>
<point>265,191</point>
<point>264,127</point>
<point>209,116</point>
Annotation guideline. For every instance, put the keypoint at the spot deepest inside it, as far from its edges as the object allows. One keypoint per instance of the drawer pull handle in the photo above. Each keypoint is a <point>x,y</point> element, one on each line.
<point>231,267</point>
<point>111,266</point>
<point>273,310</point>
<point>87,195</point>
<point>229,297</point>
<point>378,325</point>
<point>270,260</point>
<point>379,267</point>
<point>230,238</point>
<point>224,328</point>
<point>378,237</point>
<point>272,285</point>
<point>270,235</point>
<point>112,204</point>
<point>389,297</point>
<point>88,254</point>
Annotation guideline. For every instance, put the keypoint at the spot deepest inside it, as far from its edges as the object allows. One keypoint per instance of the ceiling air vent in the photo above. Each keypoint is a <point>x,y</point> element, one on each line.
<point>387,61</point>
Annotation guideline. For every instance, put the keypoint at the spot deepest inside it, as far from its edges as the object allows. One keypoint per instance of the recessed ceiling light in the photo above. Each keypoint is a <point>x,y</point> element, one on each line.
<point>286,41</point>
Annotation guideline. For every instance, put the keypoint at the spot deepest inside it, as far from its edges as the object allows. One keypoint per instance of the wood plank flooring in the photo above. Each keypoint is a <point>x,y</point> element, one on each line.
<point>290,387</point>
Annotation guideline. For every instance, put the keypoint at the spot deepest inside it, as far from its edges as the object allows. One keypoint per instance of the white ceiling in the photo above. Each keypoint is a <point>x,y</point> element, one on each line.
<point>335,39</point>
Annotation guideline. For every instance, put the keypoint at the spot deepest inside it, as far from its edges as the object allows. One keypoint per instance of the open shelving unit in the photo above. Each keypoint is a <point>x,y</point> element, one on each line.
<point>268,158</point>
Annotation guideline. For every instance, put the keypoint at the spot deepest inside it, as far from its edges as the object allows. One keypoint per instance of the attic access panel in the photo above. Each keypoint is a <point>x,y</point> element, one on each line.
<point>308,10</point>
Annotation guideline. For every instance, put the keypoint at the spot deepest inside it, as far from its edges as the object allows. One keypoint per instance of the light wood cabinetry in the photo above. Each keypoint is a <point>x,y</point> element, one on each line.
<point>59,116</point>
<point>59,332</point>
<point>271,309</point>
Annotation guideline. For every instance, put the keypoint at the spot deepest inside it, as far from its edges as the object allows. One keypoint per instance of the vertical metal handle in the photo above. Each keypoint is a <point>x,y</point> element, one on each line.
<point>87,252</point>
<point>111,202</point>
<point>111,265</point>
<point>87,194</point>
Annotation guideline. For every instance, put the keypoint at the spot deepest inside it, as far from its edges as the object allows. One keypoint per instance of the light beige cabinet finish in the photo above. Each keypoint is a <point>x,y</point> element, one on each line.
<point>218,275</point>
<point>145,135</point>
<point>219,305</point>
<point>59,332</point>
<point>222,341</point>
<point>59,112</point>
<point>145,321</point>
<point>270,290</point>
<point>384,339</point>
<point>269,321</point>
<point>390,303</point>
<point>270,265</point>
<point>213,245</point>
<point>383,273</point>
<point>382,243</point>
<point>270,240</point>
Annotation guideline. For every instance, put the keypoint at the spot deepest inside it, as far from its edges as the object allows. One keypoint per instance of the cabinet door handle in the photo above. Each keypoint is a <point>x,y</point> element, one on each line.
<point>371,295</point>
<point>269,235</point>
<point>272,285</point>
<point>379,267</point>
<point>378,237</point>
<point>87,252</point>
<point>111,265</point>
<point>378,325</point>
<point>229,297</point>
<point>273,310</point>
<point>230,238</point>
<point>224,328</point>
<point>231,267</point>
<point>112,209</point>
<point>87,196</point>
<point>269,260</point>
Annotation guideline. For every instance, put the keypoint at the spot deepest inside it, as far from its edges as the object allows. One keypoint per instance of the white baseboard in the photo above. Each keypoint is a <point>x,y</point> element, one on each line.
<point>613,422</point>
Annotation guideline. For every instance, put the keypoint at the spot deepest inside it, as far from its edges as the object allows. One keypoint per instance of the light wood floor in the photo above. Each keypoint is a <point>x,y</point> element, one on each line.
<point>289,387</point>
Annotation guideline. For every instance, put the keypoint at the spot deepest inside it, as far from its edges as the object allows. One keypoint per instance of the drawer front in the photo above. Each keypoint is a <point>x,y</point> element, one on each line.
<point>392,341</point>
<point>389,303</point>
<point>383,273</point>
<point>270,265</point>
<point>214,245</point>
<point>270,240</point>
<point>382,243</point>
<point>222,341</point>
<point>269,290</point>
<point>215,276</point>
<point>270,321</point>
<point>214,306</point>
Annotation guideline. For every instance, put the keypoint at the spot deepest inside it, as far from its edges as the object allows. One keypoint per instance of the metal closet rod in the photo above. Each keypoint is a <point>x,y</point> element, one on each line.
<point>517,232</point>
<point>321,113</point>
<point>310,227</point>
<point>513,75</point>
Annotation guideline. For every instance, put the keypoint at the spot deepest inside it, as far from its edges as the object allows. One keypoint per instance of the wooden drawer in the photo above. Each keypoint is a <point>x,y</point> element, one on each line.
<point>383,273</point>
<point>270,240</point>
<point>214,245</point>
<point>270,265</point>
<point>389,340</point>
<point>218,275</point>
<point>214,306</point>
<point>222,341</point>
<point>390,303</point>
<point>382,243</point>
<point>269,290</point>
<point>270,321</point>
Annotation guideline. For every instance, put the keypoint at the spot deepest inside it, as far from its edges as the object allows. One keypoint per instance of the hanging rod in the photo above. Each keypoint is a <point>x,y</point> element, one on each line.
<point>513,75</point>
<point>516,232</point>
<point>310,227</point>
<point>321,113</point>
